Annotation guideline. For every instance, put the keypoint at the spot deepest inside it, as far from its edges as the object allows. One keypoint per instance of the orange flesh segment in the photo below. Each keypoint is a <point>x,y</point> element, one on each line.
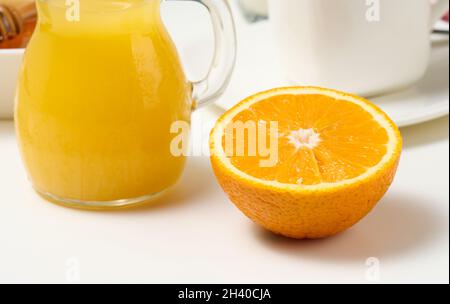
<point>348,140</point>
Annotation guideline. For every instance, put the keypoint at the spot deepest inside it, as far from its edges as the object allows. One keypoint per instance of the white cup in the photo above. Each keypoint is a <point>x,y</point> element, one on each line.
<point>10,61</point>
<point>367,47</point>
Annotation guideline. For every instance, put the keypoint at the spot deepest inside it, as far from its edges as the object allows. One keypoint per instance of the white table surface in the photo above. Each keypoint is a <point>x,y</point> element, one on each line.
<point>195,235</point>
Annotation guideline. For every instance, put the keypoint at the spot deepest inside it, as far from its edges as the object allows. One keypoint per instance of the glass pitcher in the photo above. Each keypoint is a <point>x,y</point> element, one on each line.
<point>100,88</point>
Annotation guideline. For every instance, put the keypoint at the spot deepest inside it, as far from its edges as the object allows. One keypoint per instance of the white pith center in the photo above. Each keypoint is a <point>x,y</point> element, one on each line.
<point>304,138</point>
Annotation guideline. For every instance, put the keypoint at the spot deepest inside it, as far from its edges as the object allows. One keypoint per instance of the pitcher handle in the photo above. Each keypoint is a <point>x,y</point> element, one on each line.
<point>219,75</point>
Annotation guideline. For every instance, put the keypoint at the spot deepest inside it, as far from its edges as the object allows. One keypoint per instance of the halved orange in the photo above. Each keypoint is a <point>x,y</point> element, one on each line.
<point>337,155</point>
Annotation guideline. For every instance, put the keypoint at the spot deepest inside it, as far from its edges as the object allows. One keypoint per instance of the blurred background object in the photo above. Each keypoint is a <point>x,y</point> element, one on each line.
<point>259,61</point>
<point>17,22</point>
<point>254,10</point>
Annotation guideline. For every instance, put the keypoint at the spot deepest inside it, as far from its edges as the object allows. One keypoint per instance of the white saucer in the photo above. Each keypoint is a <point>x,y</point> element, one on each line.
<point>258,69</point>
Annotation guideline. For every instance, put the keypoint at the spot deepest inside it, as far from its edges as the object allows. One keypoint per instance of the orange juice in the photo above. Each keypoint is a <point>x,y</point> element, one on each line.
<point>97,95</point>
